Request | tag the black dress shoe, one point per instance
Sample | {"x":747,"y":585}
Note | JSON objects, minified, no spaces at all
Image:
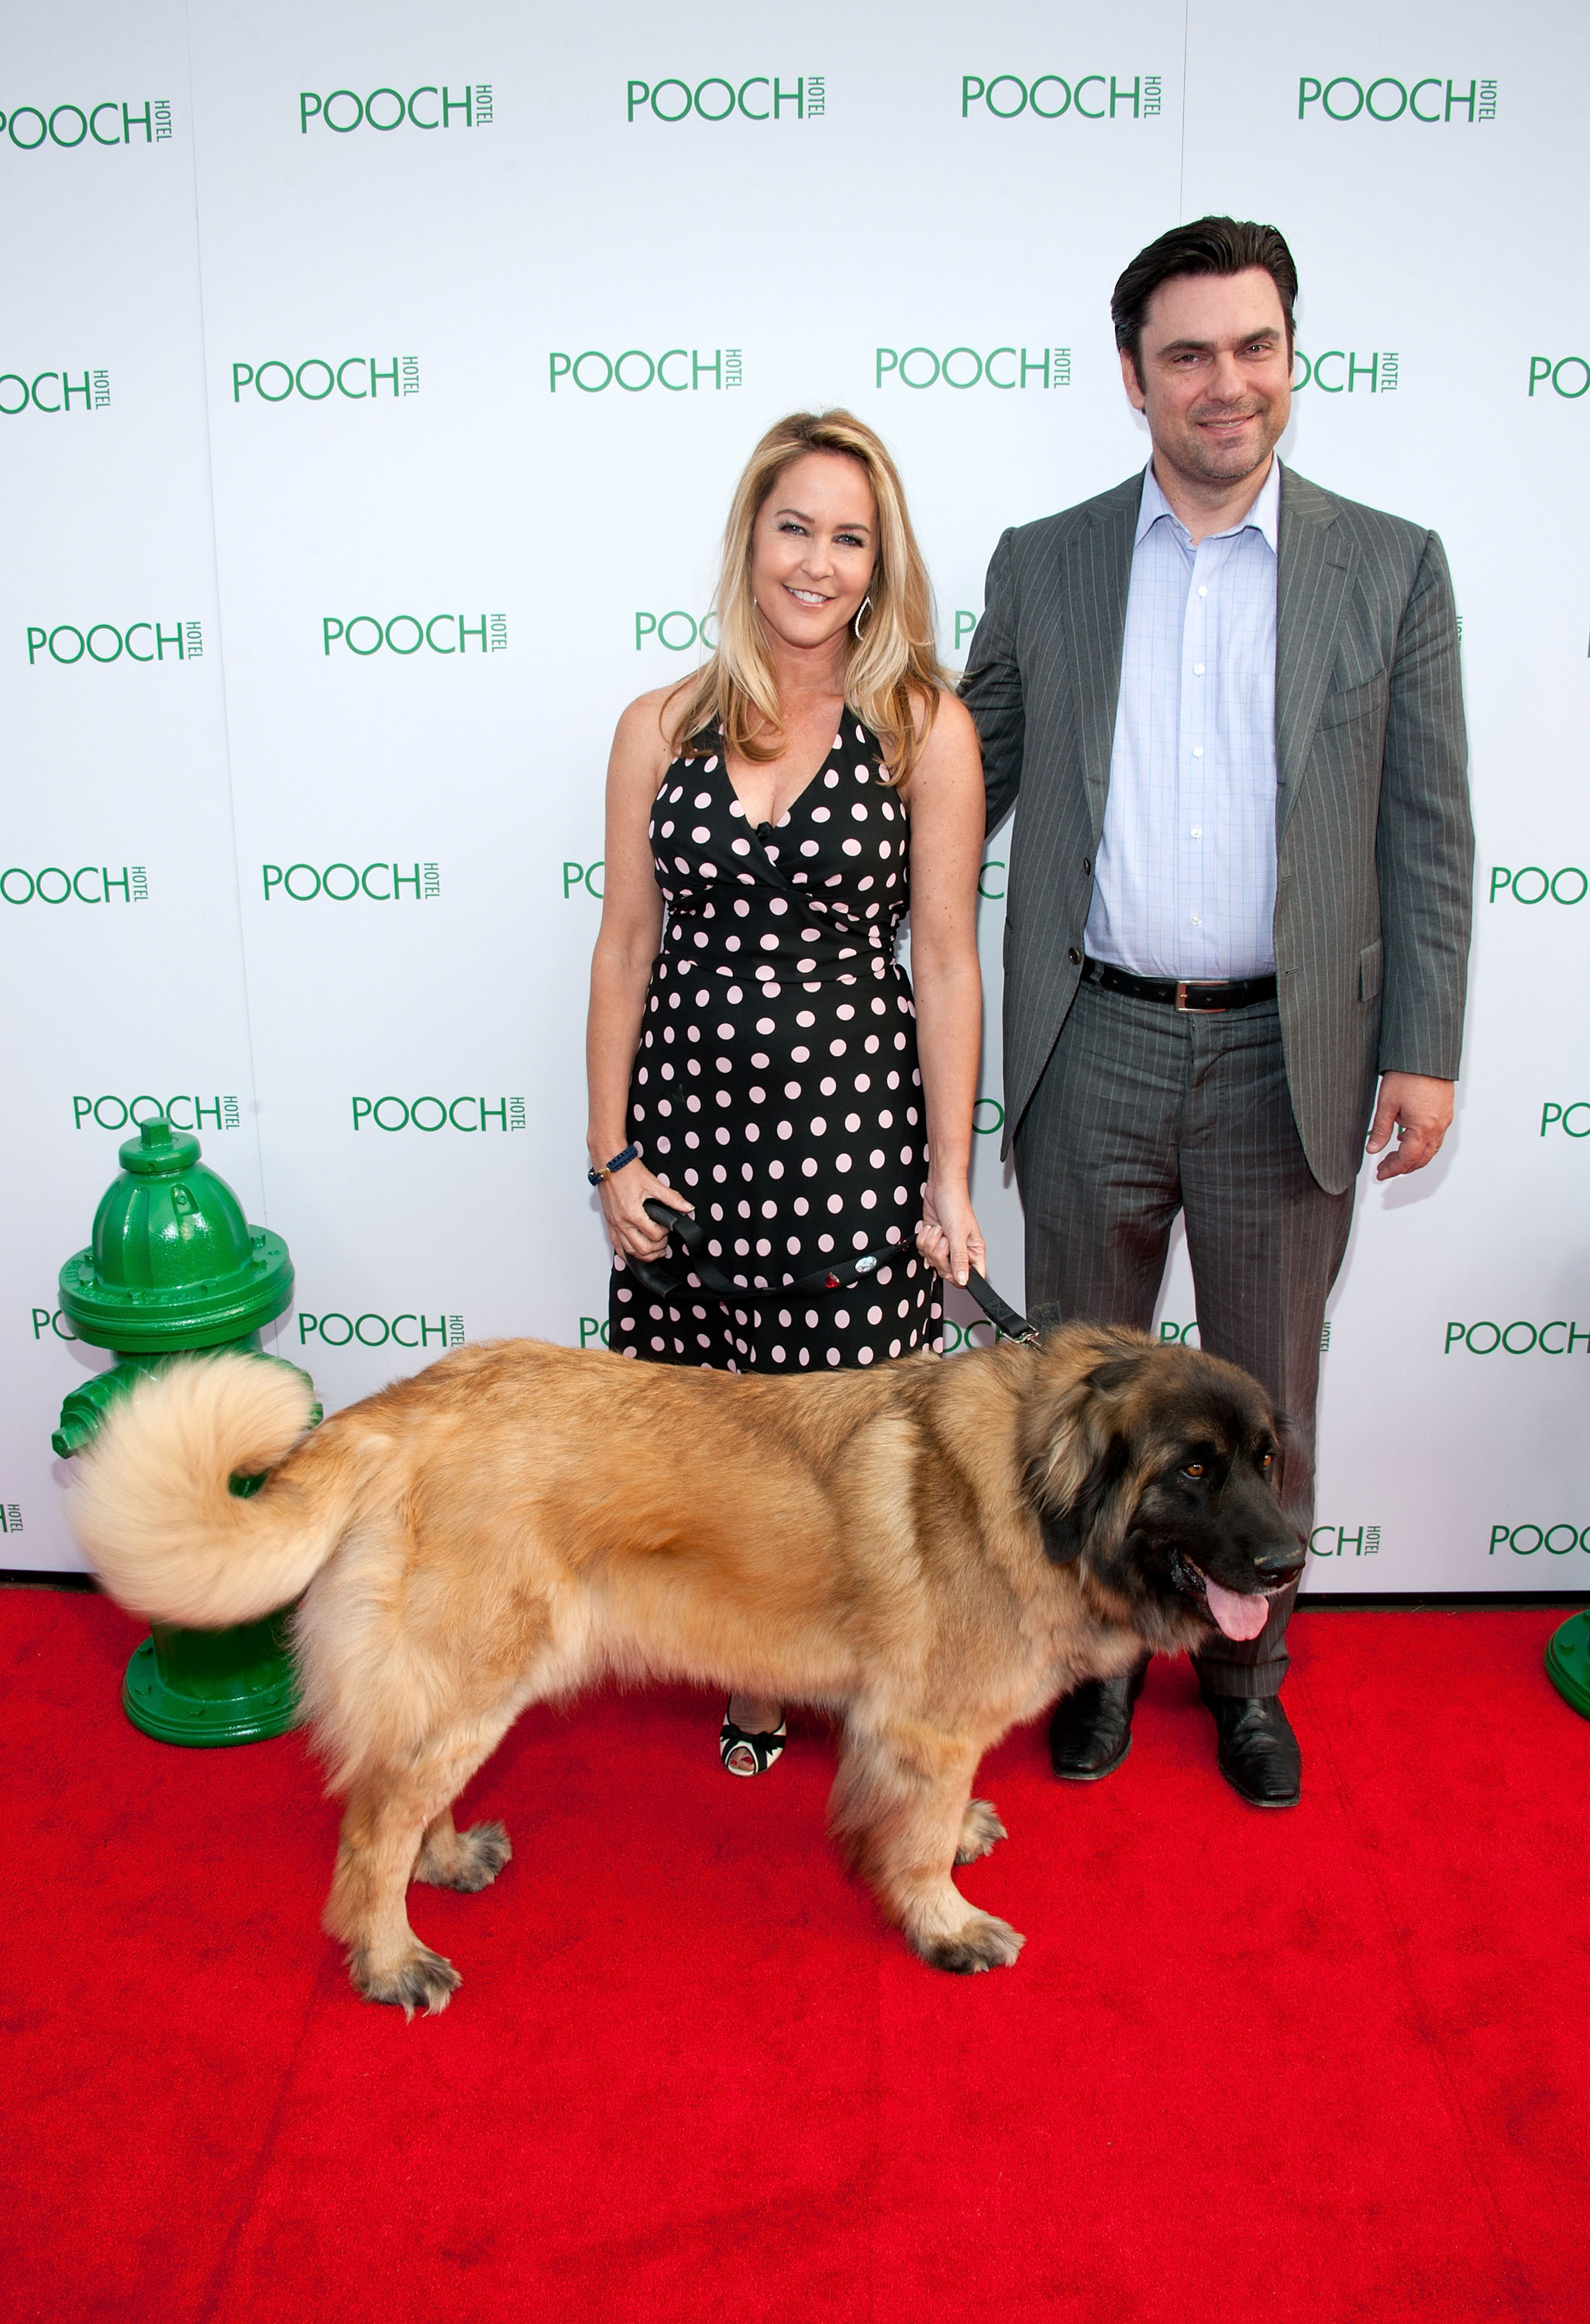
{"x":1258,"y":1752}
{"x":1091,"y":1731}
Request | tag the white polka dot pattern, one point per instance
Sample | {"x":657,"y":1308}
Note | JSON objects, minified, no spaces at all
{"x":776,"y":1065}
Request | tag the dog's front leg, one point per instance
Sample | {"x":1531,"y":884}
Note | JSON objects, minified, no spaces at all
{"x":899,"y":1811}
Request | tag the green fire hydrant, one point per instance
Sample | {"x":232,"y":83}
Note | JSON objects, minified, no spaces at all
{"x":174,"y":1268}
{"x":1568,"y":1662}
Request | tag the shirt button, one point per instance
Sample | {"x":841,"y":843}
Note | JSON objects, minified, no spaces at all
{"x":1198,"y":669}
{"x":1197,"y":750}
{"x":1198,"y":919}
{"x":1198,"y":831}
{"x":1203,"y":592}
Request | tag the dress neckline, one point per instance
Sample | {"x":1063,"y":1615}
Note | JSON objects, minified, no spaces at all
{"x":821,"y":769}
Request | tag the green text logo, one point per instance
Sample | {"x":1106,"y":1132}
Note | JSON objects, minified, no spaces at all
{"x":683,"y":371}
{"x":112,"y":122}
{"x":963,"y":368}
{"x":410,"y":1329}
{"x":592,"y":1332}
{"x":52,"y":1320}
{"x":1375,"y":373}
{"x":1185,"y":1335}
{"x":405,"y":633}
{"x":1529,"y":884}
{"x":359,"y":378}
{"x":103,"y":641}
{"x":678,"y":631}
{"x":1569,"y":375}
{"x":182,"y":1111}
{"x":1561,"y":1117}
{"x":763,"y":97}
{"x":466,"y":1113}
{"x":90,"y":883}
{"x":1093,"y":96}
{"x":431,"y":105}
{"x":1336,"y":1541}
{"x":1524,"y":1540}
{"x":1429,"y":100}
{"x":10,"y":1516}
{"x":1518,"y":1339}
{"x":582,"y":876}
{"x":53,"y":392}
{"x":341,"y":883}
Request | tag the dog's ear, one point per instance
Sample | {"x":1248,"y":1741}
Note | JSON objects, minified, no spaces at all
{"x":1067,"y":1516}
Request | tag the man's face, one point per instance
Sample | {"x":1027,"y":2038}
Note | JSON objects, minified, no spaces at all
{"x":1215,"y":384}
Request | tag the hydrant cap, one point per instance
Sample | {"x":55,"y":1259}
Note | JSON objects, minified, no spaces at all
{"x":173,"y":1262}
{"x":160,"y":1150}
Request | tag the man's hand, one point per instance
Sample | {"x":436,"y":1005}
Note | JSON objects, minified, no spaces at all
{"x":1419,"y":1107}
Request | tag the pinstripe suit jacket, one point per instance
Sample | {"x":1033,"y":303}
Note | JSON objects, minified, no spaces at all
{"x":1374,"y":844}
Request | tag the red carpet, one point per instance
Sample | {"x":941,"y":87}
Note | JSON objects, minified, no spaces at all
{"x":1327,"y":2065}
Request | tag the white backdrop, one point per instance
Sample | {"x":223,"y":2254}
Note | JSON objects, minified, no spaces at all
{"x":310,"y":337}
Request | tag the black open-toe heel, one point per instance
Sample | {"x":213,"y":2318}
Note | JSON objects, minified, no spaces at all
{"x":749,"y":1754}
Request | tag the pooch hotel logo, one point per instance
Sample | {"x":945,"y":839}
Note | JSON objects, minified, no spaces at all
{"x":434,"y":105}
{"x":113,"y":121}
{"x":763,"y":97}
{"x":1009,"y":367}
{"x":71,"y":643}
{"x":1051,"y":97}
{"x":53,"y":392}
{"x":1433,"y":98}
{"x":352,"y":379}
{"x":683,"y":371}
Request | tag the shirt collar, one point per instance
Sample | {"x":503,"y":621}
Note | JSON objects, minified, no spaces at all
{"x":1264,"y":516}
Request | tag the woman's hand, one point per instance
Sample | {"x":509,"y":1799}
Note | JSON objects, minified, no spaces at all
{"x":948,"y":1236}
{"x":630,"y":1232}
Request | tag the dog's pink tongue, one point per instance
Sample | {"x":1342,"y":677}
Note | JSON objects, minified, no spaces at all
{"x":1239,"y":1617}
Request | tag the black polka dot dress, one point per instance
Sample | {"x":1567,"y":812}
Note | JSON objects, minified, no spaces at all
{"x":776,"y":1082}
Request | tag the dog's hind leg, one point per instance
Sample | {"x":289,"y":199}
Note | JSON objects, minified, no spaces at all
{"x":390,"y":1813}
{"x":981,"y":1829}
{"x":899,"y":1811}
{"x":472,"y":1859}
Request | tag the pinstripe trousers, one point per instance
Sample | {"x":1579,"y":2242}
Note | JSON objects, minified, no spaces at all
{"x":1143,"y":1111}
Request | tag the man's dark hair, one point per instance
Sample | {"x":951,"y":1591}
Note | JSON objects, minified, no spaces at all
{"x":1209,"y":246}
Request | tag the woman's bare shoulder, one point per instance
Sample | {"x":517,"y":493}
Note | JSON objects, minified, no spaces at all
{"x":648,"y":720}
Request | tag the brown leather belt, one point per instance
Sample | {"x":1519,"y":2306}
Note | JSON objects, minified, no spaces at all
{"x":1211,"y":999}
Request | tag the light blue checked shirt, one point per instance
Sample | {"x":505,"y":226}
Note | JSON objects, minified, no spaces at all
{"x":1184,"y":884}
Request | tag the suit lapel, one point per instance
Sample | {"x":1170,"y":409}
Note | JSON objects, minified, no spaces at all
{"x":1094,"y":588}
{"x":1315,"y":574}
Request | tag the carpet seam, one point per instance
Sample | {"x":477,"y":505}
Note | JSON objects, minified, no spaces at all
{"x":1526,"y":2301}
{"x":227,"y":2259}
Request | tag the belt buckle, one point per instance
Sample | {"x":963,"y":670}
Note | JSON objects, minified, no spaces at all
{"x":1198,"y":1008}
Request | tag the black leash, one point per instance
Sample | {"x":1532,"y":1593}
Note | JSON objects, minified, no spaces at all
{"x":670,"y":1274}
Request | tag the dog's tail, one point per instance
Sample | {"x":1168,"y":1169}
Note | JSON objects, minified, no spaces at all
{"x":152,"y":1509}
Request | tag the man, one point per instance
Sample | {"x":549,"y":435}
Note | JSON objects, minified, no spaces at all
{"x":1228,"y":703}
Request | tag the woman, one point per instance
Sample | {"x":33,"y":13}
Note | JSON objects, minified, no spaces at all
{"x":752,"y":1051}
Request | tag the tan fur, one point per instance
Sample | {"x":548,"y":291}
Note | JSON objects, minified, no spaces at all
{"x":520,"y":1519}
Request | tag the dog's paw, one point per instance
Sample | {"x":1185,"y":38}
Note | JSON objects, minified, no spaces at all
{"x":421,"y":1979}
{"x":470,"y":1860}
{"x":981,"y":1829}
{"x":980,"y":1942}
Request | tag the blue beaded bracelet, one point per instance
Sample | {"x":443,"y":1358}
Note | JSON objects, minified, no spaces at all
{"x":630,"y":1154}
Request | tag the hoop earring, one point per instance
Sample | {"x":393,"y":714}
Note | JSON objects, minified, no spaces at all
{"x":860,"y":609}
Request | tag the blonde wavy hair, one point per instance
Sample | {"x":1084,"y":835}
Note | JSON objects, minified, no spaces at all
{"x":893,"y":674}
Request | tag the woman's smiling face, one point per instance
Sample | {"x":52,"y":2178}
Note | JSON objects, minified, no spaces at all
{"x":813,"y":548}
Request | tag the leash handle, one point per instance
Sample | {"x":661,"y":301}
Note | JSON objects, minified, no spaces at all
{"x":1003,"y":1318}
{"x":664,"y":1277}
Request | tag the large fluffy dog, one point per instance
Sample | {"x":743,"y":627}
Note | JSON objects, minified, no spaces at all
{"x":931,"y":1551}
